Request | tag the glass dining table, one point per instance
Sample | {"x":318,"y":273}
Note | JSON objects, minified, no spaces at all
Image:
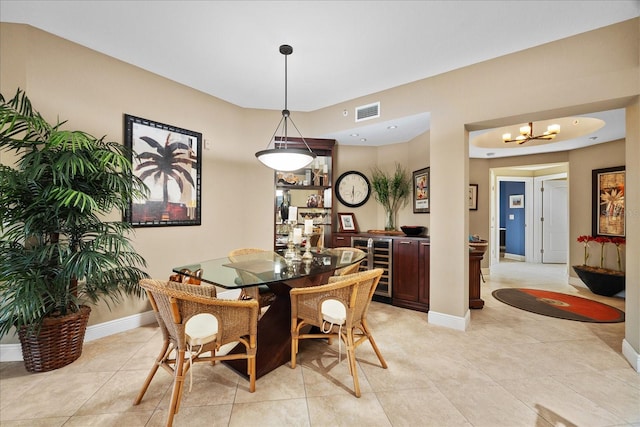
{"x":280,"y":273}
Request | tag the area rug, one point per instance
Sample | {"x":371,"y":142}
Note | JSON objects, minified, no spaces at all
{"x":559,"y":305}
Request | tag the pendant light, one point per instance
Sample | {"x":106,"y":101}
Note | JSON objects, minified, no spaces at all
{"x":281,"y":157}
{"x":527,"y":134}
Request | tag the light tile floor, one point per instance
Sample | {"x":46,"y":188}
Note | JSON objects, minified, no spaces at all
{"x":510,"y":368}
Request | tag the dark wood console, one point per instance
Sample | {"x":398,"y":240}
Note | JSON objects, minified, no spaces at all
{"x":408,"y":269}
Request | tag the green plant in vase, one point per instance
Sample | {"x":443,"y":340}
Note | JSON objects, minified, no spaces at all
{"x":391,"y":191}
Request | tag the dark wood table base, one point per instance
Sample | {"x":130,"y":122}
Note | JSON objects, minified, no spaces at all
{"x":274,"y":329}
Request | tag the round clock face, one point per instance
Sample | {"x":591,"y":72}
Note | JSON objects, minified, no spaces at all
{"x":353,"y":189}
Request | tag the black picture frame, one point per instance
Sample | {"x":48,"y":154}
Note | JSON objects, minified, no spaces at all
{"x":175,"y":193}
{"x":608,"y":202}
{"x":473,"y":197}
{"x":422,"y":191}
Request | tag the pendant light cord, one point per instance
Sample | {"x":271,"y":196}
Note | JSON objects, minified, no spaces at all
{"x":285,"y":82}
{"x":286,"y":50}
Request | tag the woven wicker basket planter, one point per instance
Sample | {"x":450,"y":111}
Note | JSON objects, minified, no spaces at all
{"x":58,"y":344}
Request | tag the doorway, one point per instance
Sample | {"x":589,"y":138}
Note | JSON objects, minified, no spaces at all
{"x":513,"y":215}
{"x":541,"y":210}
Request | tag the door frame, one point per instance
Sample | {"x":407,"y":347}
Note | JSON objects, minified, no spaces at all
{"x":528,"y":217}
{"x":537,"y":213}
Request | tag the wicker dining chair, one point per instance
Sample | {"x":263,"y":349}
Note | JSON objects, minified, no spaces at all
{"x":353,"y":268}
{"x":261,"y":293}
{"x":193,"y":322}
{"x":339,"y":309}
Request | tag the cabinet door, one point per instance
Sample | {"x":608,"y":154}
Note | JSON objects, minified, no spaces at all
{"x":423,"y":275}
{"x":405,"y":269}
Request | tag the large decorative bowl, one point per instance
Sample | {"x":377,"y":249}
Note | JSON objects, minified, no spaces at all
{"x":413,"y":230}
{"x":478,"y":247}
{"x":601,"y":281}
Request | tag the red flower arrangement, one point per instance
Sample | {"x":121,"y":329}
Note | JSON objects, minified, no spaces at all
{"x":602,"y":240}
{"x":618,"y":241}
{"x":585,"y":241}
{"x":601,"y":280}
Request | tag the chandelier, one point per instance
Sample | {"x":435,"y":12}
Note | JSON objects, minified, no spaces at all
{"x":526,"y":134}
{"x":281,"y":157}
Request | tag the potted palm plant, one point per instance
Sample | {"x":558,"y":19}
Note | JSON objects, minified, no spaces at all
{"x":391,"y":191}
{"x":57,"y":250}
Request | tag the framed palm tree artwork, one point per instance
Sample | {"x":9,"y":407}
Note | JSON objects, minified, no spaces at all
{"x":168,"y":160}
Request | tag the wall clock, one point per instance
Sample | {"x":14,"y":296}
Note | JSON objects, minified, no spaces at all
{"x":353,"y":189}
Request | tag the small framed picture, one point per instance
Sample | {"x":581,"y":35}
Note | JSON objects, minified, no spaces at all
{"x":347,"y":223}
{"x":516,"y":201}
{"x":473,"y":197}
{"x":421,"y":191}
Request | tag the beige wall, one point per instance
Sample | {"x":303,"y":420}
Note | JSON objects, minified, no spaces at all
{"x":412,"y":155}
{"x":589,"y":72}
{"x":581,"y":163}
{"x":632,"y":204}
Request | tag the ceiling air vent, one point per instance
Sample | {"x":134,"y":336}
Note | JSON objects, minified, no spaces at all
{"x":366,"y":112}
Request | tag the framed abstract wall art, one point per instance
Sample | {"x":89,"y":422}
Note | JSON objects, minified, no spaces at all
{"x":608,"y":202}
{"x":168,"y":160}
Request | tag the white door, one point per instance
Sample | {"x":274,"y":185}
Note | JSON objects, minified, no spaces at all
{"x":554,"y":223}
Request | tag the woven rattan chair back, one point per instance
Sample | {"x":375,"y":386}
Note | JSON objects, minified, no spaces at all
{"x":354,"y":292}
{"x":260,"y":293}
{"x":174,"y":304}
{"x":205,"y":290}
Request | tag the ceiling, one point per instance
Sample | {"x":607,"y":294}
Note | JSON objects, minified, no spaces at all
{"x":341,"y":49}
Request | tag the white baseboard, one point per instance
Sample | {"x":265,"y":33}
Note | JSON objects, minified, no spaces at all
{"x":632,"y":356}
{"x":10,"y":353}
{"x":515,"y":257}
{"x":13,"y":352}
{"x":449,"y":321}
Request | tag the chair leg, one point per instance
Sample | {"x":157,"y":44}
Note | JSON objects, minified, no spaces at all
{"x":178,"y":382}
{"x":351,"y":355}
{"x":367,"y":332}
{"x":294,"y":351}
{"x":251,"y":362}
{"x":159,"y":360}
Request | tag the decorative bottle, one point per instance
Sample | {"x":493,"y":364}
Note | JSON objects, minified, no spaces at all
{"x":284,"y":207}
